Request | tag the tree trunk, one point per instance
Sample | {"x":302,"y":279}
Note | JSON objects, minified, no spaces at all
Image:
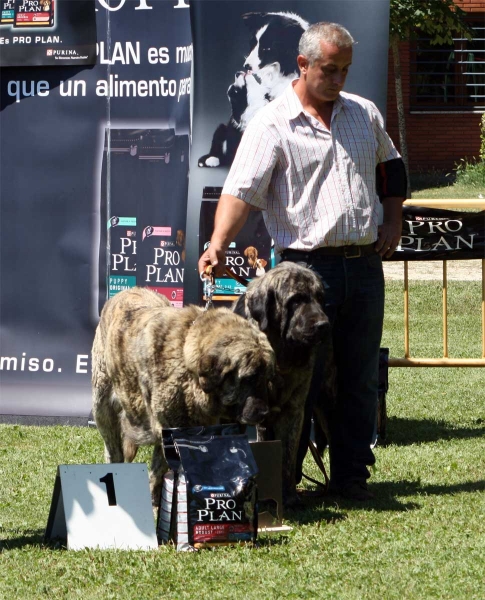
{"x":401,"y":118}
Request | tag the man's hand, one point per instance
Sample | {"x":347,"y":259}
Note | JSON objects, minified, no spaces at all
{"x":390,"y":231}
{"x":215,"y":258}
{"x":388,"y":238}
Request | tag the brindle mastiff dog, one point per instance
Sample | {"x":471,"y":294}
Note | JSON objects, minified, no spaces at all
{"x":155,"y":366}
{"x":286,"y":303}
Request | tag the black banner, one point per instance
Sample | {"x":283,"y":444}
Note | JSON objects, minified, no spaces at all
{"x":86,"y":150}
{"x":436,"y":234}
{"x":47,"y":32}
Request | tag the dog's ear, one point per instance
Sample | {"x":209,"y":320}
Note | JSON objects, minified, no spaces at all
{"x":261,"y":307}
{"x":255,"y":20}
{"x":208,"y":372}
{"x":240,"y":307}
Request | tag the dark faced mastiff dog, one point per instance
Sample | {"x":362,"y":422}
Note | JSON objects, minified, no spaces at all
{"x":155,"y":366}
{"x":287,"y":305}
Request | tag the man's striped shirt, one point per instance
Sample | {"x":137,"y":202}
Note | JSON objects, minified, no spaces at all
{"x":317,"y":187}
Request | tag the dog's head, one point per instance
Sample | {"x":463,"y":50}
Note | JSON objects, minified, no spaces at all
{"x":274,"y":41}
{"x":238,"y":96}
{"x":287,"y":303}
{"x":180,"y":239}
{"x":247,"y":96}
{"x":252,"y":255}
{"x":233,"y":363}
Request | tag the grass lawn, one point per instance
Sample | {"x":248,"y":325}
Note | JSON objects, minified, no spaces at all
{"x":423,"y":537}
{"x":440,"y":185}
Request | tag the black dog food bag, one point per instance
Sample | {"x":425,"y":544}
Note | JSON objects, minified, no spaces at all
{"x":162,"y":216}
{"x":212,"y":498}
{"x":174,"y":479}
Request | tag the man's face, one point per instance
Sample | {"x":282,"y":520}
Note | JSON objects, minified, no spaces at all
{"x":325,"y":79}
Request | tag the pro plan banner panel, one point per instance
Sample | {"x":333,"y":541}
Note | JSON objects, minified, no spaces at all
{"x":144,"y":183}
{"x":435,"y":234}
{"x":245,"y":55}
{"x":161,"y":224}
{"x":47,"y":32}
{"x":78,"y":147}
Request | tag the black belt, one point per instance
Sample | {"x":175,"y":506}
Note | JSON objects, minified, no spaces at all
{"x":345,"y":251}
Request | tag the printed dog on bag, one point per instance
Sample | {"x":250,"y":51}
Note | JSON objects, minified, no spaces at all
{"x":154,"y":366}
{"x":254,"y":261}
{"x":287,"y":305}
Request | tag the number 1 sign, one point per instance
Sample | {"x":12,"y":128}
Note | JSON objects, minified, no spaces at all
{"x":102,"y":506}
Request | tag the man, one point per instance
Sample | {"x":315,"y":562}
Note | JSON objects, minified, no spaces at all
{"x":310,"y":160}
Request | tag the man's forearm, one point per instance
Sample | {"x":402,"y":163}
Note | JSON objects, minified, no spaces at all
{"x":231,"y":214}
{"x":391,"y":228}
{"x":392,"y":207}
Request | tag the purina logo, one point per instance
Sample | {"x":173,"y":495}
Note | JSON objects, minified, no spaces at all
{"x":50,"y":52}
{"x":64,"y":53}
{"x":420,"y":218}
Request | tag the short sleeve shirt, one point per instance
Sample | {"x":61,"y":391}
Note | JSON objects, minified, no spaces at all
{"x":317,"y":187}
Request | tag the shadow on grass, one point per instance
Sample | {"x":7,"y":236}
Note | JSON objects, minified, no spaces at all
{"x":404,"y":432}
{"x":389,"y":491}
{"x":328,"y":509}
{"x":333,"y":508}
{"x":387,"y":499}
{"x":30,"y":537}
{"x":315,"y":510}
{"x":431,"y":179}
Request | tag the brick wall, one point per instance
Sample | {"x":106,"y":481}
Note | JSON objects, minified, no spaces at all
{"x":435,"y":141}
{"x":471,"y":5}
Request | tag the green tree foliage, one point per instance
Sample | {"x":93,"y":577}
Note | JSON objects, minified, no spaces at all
{"x":440,"y":20}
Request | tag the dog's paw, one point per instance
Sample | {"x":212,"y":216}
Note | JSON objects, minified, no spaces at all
{"x":209,"y":161}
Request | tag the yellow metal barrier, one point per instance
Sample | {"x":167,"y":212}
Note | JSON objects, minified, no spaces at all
{"x":445,"y":361}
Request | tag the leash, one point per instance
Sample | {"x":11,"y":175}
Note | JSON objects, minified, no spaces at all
{"x":207,"y":278}
{"x":322,"y":488}
{"x":209,"y":289}
{"x":210,"y":286}
{"x":241,"y":280}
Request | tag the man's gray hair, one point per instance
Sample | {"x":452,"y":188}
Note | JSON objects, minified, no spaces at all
{"x":332,"y":33}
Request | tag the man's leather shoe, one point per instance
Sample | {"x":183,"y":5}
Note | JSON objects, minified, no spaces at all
{"x":352,"y":490}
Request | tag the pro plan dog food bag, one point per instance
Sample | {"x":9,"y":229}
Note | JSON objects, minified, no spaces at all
{"x":211,"y":499}
{"x":162,"y":216}
{"x":34,"y":13}
{"x":250,"y":255}
{"x":8,"y":11}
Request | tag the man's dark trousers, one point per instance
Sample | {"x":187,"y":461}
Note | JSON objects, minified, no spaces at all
{"x":354,"y":304}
